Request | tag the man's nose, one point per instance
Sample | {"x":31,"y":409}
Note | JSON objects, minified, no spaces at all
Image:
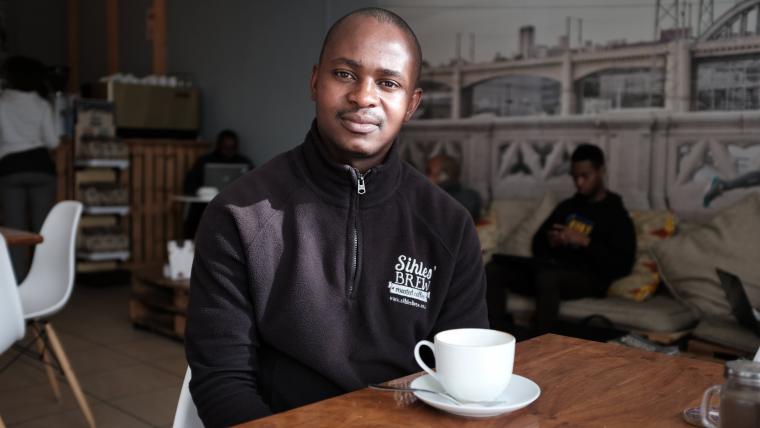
{"x":364,"y":94}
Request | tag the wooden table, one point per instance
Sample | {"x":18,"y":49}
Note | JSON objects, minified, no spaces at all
{"x":583,"y":384}
{"x":20,"y":237}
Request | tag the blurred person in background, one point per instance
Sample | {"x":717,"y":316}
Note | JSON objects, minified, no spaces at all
{"x":225,"y":151}
{"x":27,"y":136}
{"x":444,"y":171}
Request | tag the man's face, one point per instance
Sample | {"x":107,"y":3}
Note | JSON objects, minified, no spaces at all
{"x":228,"y":148}
{"x":364,"y":89}
{"x":588,"y":180}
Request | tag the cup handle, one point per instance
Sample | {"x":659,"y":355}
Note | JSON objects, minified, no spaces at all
{"x":422,"y":363}
{"x":704,"y":409}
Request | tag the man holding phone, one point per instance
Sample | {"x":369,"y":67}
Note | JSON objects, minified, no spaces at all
{"x":586,"y":243}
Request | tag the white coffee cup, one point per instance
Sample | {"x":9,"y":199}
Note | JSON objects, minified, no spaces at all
{"x":472,"y":364}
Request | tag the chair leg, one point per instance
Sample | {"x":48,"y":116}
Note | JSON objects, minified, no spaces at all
{"x":46,"y":358}
{"x":69,"y":373}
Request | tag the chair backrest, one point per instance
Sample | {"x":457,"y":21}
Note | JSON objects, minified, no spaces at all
{"x":186,"y":415}
{"x":48,"y":285}
{"x":11,"y":315}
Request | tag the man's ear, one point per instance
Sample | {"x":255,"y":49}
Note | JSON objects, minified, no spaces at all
{"x":413,"y":104}
{"x":313,"y":82}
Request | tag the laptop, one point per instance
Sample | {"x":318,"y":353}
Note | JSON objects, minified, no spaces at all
{"x":219,"y":175}
{"x":741,"y":305}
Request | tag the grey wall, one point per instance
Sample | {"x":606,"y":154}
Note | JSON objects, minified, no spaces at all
{"x":37,"y":28}
{"x":252,"y":61}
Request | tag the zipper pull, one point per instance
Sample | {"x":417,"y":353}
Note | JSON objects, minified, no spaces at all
{"x":360,"y":188}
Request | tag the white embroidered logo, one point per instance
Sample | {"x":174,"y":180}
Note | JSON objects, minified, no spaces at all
{"x":411,"y":285}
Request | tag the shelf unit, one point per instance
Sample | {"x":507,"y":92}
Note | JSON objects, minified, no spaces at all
{"x":100,"y":180}
{"x":102,"y":163}
{"x":120,"y":210}
{"x":101,"y":256}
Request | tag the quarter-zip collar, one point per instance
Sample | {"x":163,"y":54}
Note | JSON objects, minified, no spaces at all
{"x":339,"y":183}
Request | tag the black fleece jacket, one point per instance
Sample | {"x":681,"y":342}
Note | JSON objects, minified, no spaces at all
{"x":302,"y":288}
{"x":612,"y":248}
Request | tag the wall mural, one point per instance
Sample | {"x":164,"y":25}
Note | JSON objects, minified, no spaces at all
{"x":677,"y":116}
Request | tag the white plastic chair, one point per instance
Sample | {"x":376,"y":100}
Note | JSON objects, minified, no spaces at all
{"x":12,"y":326}
{"x":47,"y":289}
{"x":50,"y":281}
{"x":187,"y":414}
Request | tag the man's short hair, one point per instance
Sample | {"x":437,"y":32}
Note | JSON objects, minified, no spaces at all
{"x":387,"y":17}
{"x":227,"y":133}
{"x":588,"y":152}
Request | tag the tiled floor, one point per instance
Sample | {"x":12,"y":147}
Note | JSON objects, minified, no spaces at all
{"x":131,"y":377}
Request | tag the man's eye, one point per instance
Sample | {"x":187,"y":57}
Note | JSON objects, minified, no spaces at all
{"x":389,"y":84}
{"x":343,"y":74}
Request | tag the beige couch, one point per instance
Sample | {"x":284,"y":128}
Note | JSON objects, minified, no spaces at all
{"x":679,"y":258}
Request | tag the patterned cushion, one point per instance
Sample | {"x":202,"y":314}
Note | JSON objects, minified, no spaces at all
{"x":651,"y":227}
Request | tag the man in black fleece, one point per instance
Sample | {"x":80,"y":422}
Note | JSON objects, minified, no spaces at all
{"x":587,"y":242}
{"x":318,"y":272}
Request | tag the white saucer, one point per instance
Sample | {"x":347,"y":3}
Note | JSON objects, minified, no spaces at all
{"x":520,"y":393}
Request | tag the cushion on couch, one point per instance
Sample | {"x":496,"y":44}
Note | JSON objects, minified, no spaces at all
{"x":518,"y":241}
{"x":661,"y":313}
{"x":488,"y":234}
{"x":727,"y":333}
{"x":651,"y":227}
{"x":499,"y":222}
{"x":730,"y":241}
{"x":509,"y":213}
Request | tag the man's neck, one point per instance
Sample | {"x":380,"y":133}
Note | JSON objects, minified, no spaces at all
{"x":365,"y":164}
{"x":599,"y":196}
{"x":361,"y":164}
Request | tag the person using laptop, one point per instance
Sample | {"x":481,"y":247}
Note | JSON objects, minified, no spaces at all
{"x":225,"y":152}
{"x":317,"y":273}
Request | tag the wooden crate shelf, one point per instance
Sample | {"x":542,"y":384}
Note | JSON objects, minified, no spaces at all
{"x":158,"y":303}
{"x":155,"y":173}
{"x":158,"y":170}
